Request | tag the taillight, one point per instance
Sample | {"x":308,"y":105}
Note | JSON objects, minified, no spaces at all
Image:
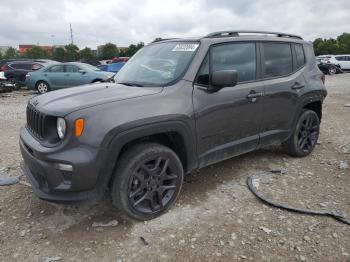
{"x":4,"y":67}
{"x":323,"y":78}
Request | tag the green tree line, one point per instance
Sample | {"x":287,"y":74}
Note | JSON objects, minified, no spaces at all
{"x":339,"y":45}
{"x":71,"y":53}
{"x":331,"y":46}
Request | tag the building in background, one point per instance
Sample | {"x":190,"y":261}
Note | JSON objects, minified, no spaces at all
{"x":3,"y":49}
{"x":99,"y":50}
{"x":22,"y":49}
{"x":58,"y":46}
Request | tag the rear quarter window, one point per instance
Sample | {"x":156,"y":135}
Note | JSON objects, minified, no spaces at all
{"x":300,"y":56}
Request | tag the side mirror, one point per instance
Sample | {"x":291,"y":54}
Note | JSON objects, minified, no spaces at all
{"x":82,"y":71}
{"x":223,"y":78}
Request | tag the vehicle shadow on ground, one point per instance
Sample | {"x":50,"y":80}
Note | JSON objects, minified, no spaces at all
{"x":80,"y":216}
{"x":231,"y":170}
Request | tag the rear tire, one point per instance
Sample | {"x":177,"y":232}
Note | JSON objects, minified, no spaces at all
{"x":147,"y":181}
{"x":305,"y":135}
{"x":42,"y":87}
{"x":332,"y":70}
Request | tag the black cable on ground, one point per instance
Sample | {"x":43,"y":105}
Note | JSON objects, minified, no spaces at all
{"x":330,"y":213}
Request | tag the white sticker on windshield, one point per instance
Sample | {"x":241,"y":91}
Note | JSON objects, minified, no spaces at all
{"x":185,"y":47}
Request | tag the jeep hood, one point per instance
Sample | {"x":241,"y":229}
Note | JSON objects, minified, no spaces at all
{"x":65,"y":101}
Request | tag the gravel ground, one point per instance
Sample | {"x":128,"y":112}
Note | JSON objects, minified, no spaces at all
{"x":216,"y":218}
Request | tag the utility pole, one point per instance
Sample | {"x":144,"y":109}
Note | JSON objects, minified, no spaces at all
{"x":53,"y":40}
{"x":71,"y":34}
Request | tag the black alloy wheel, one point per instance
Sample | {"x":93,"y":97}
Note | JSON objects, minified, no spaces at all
{"x":308,"y":133}
{"x":147,"y":181}
{"x":152,"y":185}
{"x":305,"y":135}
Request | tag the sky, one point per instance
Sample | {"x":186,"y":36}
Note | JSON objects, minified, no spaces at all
{"x":123,"y":22}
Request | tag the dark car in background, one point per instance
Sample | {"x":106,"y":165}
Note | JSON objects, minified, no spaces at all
{"x":5,"y":61}
{"x":16,"y":71}
{"x":327,"y":67}
{"x":330,"y":69}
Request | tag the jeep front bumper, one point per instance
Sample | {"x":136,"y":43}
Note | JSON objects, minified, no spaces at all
{"x":49,"y":181}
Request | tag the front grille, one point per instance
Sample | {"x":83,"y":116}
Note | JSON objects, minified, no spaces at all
{"x":35,"y":122}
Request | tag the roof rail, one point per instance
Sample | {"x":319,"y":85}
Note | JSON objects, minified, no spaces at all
{"x":163,"y":39}
{"x":239,"y":32}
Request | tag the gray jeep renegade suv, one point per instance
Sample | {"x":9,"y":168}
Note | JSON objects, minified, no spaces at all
{"x":176,"y":106}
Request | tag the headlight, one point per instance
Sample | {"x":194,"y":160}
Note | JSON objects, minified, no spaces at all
{"x":61,"y":127}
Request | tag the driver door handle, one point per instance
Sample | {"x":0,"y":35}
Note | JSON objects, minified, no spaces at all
{"x":297,"y":86}
{"x":253,"y":94}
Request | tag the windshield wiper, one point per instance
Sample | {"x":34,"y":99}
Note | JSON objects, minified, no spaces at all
{"x":129,"y":84}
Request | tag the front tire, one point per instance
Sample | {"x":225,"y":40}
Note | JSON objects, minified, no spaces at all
{"x":42,"y":87}
{"x":305,"y":135}
{"x":147,"y":181}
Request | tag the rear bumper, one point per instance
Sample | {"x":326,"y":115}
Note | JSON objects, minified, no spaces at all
{"x":52,"y":184}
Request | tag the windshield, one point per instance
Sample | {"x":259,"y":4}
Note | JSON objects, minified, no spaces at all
{"x":158,"y":64}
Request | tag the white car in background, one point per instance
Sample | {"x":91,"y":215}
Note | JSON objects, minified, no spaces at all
{"x":324,"y":58}
{"x":342,"y":60}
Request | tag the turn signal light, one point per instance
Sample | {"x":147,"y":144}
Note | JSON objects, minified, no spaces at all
{"x":79,"y":127}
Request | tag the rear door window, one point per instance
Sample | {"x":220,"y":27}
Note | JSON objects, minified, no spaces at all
{"x":26,"y":66}
{"x":56,"y":69}
{"x":278,"y":59}
{"x":21,"y":66}
{"x":15,"y":65}
{"x":72,"y":69}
